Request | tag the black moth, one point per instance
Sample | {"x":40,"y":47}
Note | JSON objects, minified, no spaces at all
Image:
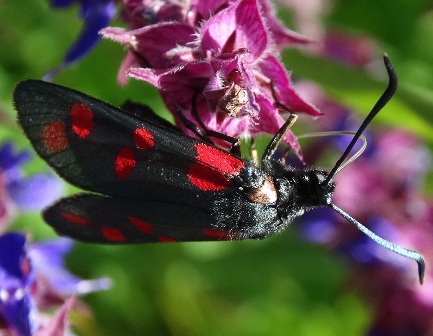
{"x":148,"y":182}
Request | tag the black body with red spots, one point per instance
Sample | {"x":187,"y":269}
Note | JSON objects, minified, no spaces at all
{"x":148,"y":182}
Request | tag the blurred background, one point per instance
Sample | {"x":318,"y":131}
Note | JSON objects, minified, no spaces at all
{"x":281,"y":285}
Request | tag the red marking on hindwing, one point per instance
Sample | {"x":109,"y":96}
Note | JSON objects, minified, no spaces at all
{"x":165,"y":239}
{"x":112,"y":234}
{"x":143,"y":139}
{"x":74,"y":218}
{"x":218,"y":234}
{"x":54,"y":138}
{"x":125,"y":163}
{"x":81,"y":119}
{"x":213,"y":169}
{"x":141,"y":225}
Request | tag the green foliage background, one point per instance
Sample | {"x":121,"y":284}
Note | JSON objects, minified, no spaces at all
{"x":279,"y":286}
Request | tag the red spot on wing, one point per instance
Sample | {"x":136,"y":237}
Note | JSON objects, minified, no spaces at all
{"x":54,"y":138}
{"x":218,"y":234}
{"x":141,"y":225}
{"x":165,"y":239}
{"x":218,"y":159}
{"x":74,"y":218}
{"x":81,"y":119}
{"x":213,"y":168}
{"x":112,"y":234}
{"x":207,"y":179}
{"x":143,"y":139}
{"x":125,"y":163}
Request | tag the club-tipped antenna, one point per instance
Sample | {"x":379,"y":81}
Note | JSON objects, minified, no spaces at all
{"x":382,"y":101}
{"x":334,"y":133}
{"x":385,"y":243}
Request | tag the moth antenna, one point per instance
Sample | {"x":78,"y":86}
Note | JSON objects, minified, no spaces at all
{"x":382,"y":101}
{"x":385,"y":243}
{"x":333,"y":133}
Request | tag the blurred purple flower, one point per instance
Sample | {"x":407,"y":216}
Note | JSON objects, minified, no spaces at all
{"x":224,"y":53}
{"x":390,"y":177}
{"x":17,"y":191}
{"x":47,"y":260}
{"x":96,"y":15}
{"x":355,"y":50}
{"x":33,"y":278}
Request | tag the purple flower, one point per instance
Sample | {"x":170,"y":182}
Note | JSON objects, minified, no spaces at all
{"x":217,"y":57}
{"x":355,"y":50}
{"x":47,"y":260}
{"x":16,"y":305}
{"x":96,"y":15}
{"x":33,"y":278}
{"x":18,"y":191}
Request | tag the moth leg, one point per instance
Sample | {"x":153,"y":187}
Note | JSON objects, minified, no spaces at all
{"x":253,"y":151}
{"x":276,"y":140}
{"x":192,"y":127}
{"x":286,"y":152}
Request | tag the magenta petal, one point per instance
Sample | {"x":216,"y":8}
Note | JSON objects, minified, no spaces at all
{"x":120,"y":35}
{"x":237,"y":127}
{"x":153,"y":43}
{"x":281,"y":35}
{"x":271,"y":122}
{"x":218,"y":30}
{"x":251,"y":32}
{"x":214,"y":90}
{"x":146,"y":74}
{"x":275,"y":72}
{"x":176,"y":84}
{"x":204,"y":9}
{"x":230,"y":88}
{"x":238,"y":26}
{"x":128,"y":62}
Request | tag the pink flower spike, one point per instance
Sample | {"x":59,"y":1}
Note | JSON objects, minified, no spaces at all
{"x":127,"y":63}
{"x":223,"y":53}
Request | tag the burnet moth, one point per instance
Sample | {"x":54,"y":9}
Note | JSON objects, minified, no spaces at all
{"x":149,"y":182}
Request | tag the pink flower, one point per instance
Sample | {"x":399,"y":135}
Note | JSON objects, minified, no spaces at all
{"x":217,"y":57}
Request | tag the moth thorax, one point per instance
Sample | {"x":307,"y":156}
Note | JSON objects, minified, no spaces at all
{"x":320,"y":193}
{"x":265,"y":194}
